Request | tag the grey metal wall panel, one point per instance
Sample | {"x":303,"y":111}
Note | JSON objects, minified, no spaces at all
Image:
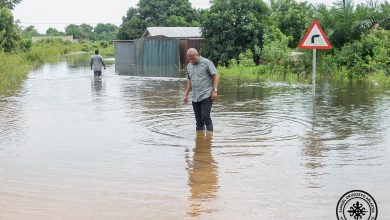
{"x":157,"y":57}
{"x":124,"y":57}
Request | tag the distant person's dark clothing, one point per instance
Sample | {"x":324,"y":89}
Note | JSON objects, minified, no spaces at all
{"x":97,"y":64}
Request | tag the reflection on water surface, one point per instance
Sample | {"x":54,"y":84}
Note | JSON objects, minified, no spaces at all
{"x":73,"y":147}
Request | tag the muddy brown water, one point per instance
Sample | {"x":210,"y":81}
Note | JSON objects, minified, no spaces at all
{"x":125,"y":148}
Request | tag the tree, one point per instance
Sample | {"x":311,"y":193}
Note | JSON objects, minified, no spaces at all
{"x":370,"y":15}
{"x":54,"y":32}
{"x":337,"y":22}
{"x":9,"y":34}
{"x":73,"y":30}
{"x":290,"y":17}
{"x":385,"y":10}
{"x":86,"y":31}
{"x":233,"y":26}
{"x":30,"y":31}
{"x":156,"y":13}
{"x":344,"y":23}
{"x":368,"y":55}
{"x":180,"y":21}
{"x":10,"y":4}
{"x":132,"y":26}
{"x":82,"y":32}
{"x":276,"y":52}
{"x":105,"y":32}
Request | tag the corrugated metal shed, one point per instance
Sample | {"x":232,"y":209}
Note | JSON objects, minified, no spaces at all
{"x":174,"y":32}
{"x":188,"y":37}
{"x":161,"y":52}
{"x":148,"y":57}
{"x":185,"y":44}
{"x":157,"y":57}
{"x":124,"y":57}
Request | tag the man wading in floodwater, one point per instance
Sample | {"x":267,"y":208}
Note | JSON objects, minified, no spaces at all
{"x":202,"y":81}
{"x":97,"y":63}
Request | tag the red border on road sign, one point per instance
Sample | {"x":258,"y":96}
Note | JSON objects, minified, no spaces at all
{"x":315,"y":22}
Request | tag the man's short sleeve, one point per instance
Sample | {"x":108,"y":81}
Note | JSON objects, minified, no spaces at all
{"x":211,"y":67}
{"x":188,"y":73}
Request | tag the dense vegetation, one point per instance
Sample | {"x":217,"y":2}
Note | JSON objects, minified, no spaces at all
{"x":240,"y":26}
{"x":269,"y":34}
{"x":101,"y":32}
{"x":18,"y":54}
{"x":14,"y":65}
{"x":245,"y":38}
{"x":149,"y":13}
{"x":10,"y":4}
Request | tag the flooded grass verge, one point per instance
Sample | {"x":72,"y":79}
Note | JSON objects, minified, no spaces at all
{"x":15,"y":66}
{"x":13,"y":69}
{"x":263,"y":73}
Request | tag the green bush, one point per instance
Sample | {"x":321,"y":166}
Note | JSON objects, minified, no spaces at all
{"x":275,"y":51}
{"x":246,"y":59}
{"x":366,"y":56}
{"x":9,"y":34}
{"x":279,"y":56}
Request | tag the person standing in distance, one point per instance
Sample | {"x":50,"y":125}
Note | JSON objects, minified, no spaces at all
{"x":97,"y":63}
{"x":202,"y":82}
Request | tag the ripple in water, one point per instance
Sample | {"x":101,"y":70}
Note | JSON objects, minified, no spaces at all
{"x":232,"y":129}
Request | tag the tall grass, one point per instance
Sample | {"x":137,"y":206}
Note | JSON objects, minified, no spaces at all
{"x":14,"y":66}
{"x":261,"y":73}
{"x":49,"y":51}
{"x":13,"y":69}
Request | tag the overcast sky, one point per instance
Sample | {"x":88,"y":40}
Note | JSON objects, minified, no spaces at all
{"x":59,"y":13}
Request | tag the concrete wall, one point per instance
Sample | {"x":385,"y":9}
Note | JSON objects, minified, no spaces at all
{"x":65,"y":38}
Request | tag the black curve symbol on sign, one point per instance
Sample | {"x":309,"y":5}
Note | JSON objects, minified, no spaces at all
{"x":314,"y":37}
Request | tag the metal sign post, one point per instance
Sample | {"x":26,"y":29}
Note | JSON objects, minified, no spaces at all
{"x":313,"y":86}
{"x":314,"y":67}
{"x":314,"y":38}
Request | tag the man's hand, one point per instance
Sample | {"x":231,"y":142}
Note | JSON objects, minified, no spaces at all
{"x":214,"y":95}
{"x":185,"y":100}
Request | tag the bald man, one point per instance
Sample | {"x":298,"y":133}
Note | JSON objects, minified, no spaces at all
{"x":202,"y":82}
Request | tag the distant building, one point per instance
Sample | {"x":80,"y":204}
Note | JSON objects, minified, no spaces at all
{"x":189,"y":37}
{"x":64,"y":38}
{"x":160,"y":51}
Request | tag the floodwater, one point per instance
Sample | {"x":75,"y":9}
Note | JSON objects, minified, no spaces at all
{"x":74,"y":148}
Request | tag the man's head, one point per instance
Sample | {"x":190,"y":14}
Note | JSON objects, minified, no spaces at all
{"x":96,"y":51}
{"x":192,"y":56}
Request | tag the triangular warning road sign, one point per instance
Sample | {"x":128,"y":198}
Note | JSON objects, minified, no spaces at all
{"x":315,"y":38}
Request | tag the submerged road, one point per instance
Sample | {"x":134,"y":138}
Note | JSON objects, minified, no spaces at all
{"x":125,"y":148}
